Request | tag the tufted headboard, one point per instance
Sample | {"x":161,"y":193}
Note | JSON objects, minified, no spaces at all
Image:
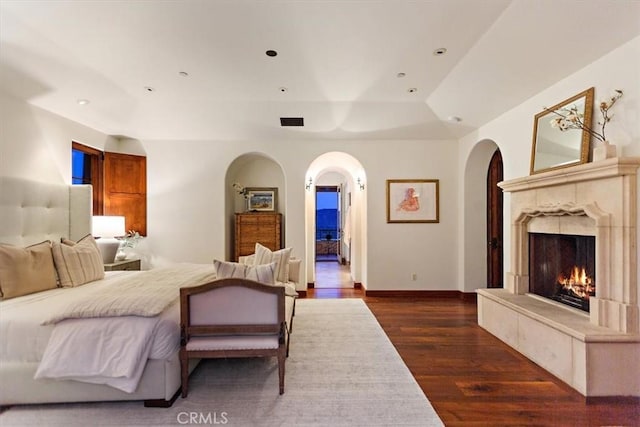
{"x":31,"y":212}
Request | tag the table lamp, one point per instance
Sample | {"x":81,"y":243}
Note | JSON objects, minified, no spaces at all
{"x":105,"y":229}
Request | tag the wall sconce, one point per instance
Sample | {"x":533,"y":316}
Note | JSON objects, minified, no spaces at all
{"x":360,"y":184}
{"x":309,"y":184}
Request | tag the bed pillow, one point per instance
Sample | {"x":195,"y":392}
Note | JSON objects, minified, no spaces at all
{"x":78,"y":262}
{"x":27,"y":270}
{"x":261,"y":273}
{"x":281,"y":257}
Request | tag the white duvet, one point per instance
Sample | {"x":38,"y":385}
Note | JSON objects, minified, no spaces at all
{"x":109,"y":350}
{"x":112,"y":352}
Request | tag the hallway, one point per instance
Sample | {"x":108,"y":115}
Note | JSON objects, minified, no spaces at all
{"x":333,"y":280}
{"x":332,"y":275}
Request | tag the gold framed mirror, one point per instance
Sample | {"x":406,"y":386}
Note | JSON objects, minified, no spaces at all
{"x":557,"y":147}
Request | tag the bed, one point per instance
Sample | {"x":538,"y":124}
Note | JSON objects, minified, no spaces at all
{"x":32,"y":212}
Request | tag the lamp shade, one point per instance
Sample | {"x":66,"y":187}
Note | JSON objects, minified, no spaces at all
{"x":107,"y":226}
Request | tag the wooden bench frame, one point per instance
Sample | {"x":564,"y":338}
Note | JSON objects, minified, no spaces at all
{"x":240,"y":303}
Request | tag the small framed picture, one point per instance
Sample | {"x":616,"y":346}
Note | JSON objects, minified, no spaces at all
{"x":262,"y":199}
{"x":413,"y":200}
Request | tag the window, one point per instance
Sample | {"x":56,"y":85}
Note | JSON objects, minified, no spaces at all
{"x":119,"y":183}
{"x":86,"y":168}
{"x":81,"y":167}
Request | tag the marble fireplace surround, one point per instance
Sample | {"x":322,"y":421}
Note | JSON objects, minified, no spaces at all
{"x":597,"y":353}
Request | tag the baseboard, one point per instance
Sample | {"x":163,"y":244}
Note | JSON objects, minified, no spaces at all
{"x":357,"y":285}
{"x":592,"y":400}
{"x":465,"y":296}
{"x":311,"y":285}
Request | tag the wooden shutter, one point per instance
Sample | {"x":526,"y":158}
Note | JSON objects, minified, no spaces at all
{"x":125,"y":189}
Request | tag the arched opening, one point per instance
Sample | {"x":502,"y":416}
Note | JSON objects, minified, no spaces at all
{"x":252,"y":171}
{"x":343,"y":171}
{"x":477,"y":216}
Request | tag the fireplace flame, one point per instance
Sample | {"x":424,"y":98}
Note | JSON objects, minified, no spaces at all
{"x":578,"y":283}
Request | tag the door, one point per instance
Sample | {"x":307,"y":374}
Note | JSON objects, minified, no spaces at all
{"x":327,"y":223}
{"x":339,"y":222}
{"x":125,"y":189}
{"x":494,"y":222}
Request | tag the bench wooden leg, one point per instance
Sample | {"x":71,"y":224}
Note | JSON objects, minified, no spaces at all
{"x":184,"y":368}
{"x":281,"y":361}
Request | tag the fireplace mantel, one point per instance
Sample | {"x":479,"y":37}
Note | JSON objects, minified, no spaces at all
{"x":617,"y":166}
{"x":596,"y":199}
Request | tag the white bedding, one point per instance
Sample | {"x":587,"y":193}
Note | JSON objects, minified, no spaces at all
{"x":66,"y":350}
{"x":23,"y":337}
{"x":123,"y":346}
{"x":145,"y":294}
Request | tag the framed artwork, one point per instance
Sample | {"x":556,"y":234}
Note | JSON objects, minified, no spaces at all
{"x":262,"y":199}
{"x":413,"y":200}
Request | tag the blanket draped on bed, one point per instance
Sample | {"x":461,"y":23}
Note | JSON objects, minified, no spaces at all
{"x":106,"y":336}
{"x":145,"y":294}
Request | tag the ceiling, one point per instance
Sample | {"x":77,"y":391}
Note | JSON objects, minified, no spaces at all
{"x":337,"y":64}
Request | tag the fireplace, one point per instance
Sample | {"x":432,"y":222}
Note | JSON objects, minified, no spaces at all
{"x":562,"y":268}
{"x":561,"y":222}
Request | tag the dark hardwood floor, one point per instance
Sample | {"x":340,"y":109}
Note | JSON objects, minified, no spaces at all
{"x":472,"y":378}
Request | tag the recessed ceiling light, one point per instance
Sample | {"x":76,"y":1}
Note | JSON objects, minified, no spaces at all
{"x":82,"y":101}
{"x":400,"y":75}
{"x":271,"y":53}
{"x":183,"y":73}
{"x":454,"y":119}
{"x":440,"y":51}
{"x":283,"y":89}
{"x":149,"y":89}
{"x":412,"y":90}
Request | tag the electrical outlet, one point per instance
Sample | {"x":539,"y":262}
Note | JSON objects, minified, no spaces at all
{"x":414,"y":276}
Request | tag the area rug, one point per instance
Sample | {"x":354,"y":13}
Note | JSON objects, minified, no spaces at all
{"x":342,"y":371}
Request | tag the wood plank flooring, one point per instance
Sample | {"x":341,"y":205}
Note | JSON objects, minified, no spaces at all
{"x":473,"y":379}
{"x":330,"y":274}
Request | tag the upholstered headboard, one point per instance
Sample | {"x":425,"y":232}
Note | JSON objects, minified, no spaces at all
{"x":31,"y":212}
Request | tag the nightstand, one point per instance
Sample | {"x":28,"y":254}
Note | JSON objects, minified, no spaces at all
{"x":127,"y":264}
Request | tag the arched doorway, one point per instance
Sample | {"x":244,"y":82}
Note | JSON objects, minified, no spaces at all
{"x":352,"y":178}
{"x":478,"y":215}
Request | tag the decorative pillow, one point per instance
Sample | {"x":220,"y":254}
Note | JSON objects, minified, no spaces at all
{"x":281,"y":257}
{"x":229,"y":269}
{"x":78,"y":262}
{"x":261,"y":273}
{"x":27,"y":270}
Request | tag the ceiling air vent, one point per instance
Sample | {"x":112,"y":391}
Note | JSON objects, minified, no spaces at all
{"x":291,"y":121}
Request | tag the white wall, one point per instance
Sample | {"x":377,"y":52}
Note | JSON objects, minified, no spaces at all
{"x":513,"y":131}
{"x":37,"y":144}
{"x":186,"y":185}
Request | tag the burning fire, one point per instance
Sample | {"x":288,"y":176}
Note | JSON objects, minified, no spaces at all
{"x":578,"y":283}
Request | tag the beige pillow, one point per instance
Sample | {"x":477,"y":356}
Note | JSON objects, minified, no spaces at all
{"x":27,"y":270}
{"x":78,"y":263}
{"x":261,"y":273}
{"x":281,"y":257}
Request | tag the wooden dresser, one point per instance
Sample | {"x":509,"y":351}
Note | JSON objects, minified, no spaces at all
{"x":261,"y":227}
